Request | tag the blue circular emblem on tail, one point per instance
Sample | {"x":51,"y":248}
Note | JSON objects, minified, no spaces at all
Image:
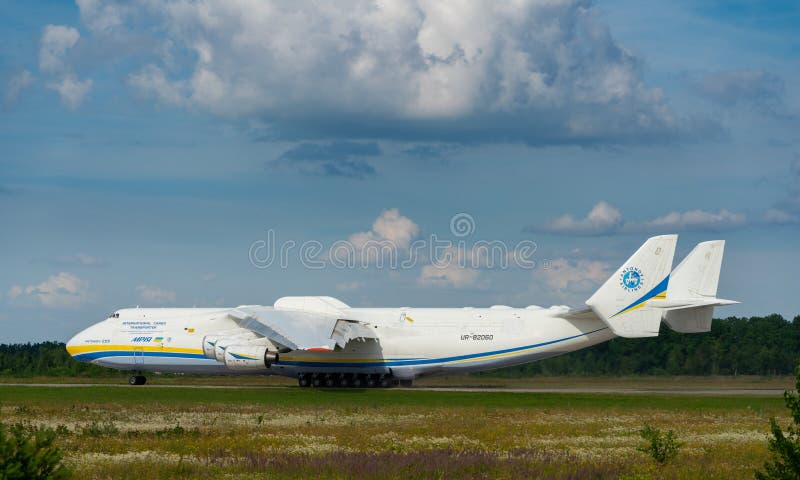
{"x":631,"y":279}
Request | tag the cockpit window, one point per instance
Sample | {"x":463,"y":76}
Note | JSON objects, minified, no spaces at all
{"x":114,"y":315}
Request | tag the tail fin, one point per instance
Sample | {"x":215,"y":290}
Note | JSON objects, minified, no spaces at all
{"x":691,"y":297}
{"x":622,"y":302}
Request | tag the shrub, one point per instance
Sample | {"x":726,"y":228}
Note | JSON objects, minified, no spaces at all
{"x":30,"y":453}
{"x":785,"y":448}
{"x":95,"y":429}
{"x":663,"y":447}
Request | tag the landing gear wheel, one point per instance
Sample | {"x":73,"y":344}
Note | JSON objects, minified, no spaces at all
{"x":137,"y":380}
{"x":303,"y":380}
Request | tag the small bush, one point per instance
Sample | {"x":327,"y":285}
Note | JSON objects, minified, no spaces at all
{"x":662,"y":447}
{"x":30,"y":453}
{"x":785,"y":448}
{"x":95,"y":429}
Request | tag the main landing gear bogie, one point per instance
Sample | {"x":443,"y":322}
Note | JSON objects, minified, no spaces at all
{"x":137,"y":380}
{"x":349,"y":380}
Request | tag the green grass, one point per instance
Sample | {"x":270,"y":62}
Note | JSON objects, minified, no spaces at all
{"x":152,"y":432}
{"x":295,"y":397}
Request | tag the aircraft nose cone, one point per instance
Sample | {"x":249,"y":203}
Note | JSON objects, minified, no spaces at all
{"x":74,"y":344}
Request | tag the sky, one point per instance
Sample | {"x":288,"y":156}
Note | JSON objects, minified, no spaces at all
{"x":440,"y":153}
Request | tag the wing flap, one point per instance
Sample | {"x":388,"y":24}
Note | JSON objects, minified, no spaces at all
{"x":304,"y":329}
{"x":296,"y":330}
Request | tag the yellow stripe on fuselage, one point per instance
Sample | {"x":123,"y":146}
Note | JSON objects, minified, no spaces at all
{"x":78,"y":349}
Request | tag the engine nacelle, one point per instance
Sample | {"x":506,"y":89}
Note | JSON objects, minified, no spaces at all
{"x":222,"y":343}
{"x":210,"y":341}
{"x":252,"y":358}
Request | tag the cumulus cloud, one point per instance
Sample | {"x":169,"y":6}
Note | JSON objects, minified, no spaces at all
{"x":572,"y":276}
{"x":334,"y":159}
{"x":152,"y":81}
{"x":54,"y":45}
{"x":780,"y":217}
{"x":155,"y":295}
{"x":55,"y":42}
{"x":605,"y":219}
{"x":63,"y":290}
{"x":71,"y":90}
{"x":15,"y":85}
{"x":390,"y":226}
{"x":529,"y":71}
{"x":693,"y":220}
{"x":602,"y":219}
{"x":447,"y":276}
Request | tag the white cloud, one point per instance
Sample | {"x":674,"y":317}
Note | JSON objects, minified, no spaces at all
{"x":151,"y":80}
{"x":447,"y":276}
{"x":15,"y":86}
{"x":208,"y":277}
{"x":573,"y":276}
{"x":692,"y":220}
{"x":55,"y":42}
{"x":63,"y":290}
{"x":604,"y":219}
{"x":101,"y":16}
{"x":349,"y":286}
{"x":72,"y":90}
{"x":780,"y":217}
{"x":155,"y":295}
{"x":601,"y":219}
{"x":390,"y":226}
{"x":542,"y":72}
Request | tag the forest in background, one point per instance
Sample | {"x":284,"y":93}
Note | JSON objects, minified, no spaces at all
{"x":735,"y":346}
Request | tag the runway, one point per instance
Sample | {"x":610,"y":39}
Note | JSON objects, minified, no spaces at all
{"x":614,"y":391}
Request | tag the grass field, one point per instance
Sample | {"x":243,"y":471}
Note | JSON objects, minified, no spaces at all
{"x":646,"y":382}
{"x":143,"y":432}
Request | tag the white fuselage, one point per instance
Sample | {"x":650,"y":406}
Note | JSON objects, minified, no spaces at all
{"x":409,"y":342}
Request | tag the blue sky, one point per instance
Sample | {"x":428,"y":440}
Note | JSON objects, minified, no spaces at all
{"x":146,"y":147}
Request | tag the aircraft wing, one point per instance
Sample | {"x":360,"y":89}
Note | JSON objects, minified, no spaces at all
{"x":300,"y":329}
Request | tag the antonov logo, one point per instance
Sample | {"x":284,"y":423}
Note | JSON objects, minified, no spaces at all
{"x":141,"y":339}
{"x":631,"y":279}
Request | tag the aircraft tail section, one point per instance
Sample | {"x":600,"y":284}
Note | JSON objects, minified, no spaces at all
{"x":691,"y":297}
{"x":624,"y":302}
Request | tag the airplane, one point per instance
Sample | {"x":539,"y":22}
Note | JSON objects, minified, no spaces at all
{"x":323,"y":342}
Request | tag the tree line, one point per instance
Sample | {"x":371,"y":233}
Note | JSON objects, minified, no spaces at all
{"x":735,"y":346}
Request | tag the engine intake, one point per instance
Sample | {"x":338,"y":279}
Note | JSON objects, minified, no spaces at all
{"x":252,"y":358}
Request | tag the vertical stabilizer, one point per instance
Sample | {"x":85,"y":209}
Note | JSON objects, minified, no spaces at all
{"x":691,"y":297}
{"x":622,"y":302}
{"x":697,"y":276}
